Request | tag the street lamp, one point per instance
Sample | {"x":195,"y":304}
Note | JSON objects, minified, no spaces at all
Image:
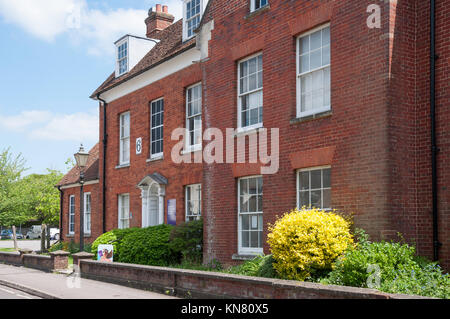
{"x":81,"y":158}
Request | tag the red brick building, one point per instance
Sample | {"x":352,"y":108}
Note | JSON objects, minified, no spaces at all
{"x":345,"y":84}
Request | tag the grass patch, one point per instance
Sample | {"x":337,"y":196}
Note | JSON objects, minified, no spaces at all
{"x":7,"y":249}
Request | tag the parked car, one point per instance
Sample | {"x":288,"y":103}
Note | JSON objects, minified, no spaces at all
{"x":54,"y":233}
{"x":34,"y":232}
{"x":8,"y":234}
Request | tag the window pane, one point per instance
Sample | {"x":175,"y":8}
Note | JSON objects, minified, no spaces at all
{"x":327,"y":198}
{"x":304,"y":63}
{"x":254,"y":239}
{"x":316,"y":59}
{"x":326,"y":55}
{"x":316,"y":40}
{"x":316,"y":198}
{"x":252,"y":204}
{"x":304,"y":199}
{"x":326,"y":178}
{"x":326,"y":36}
{"x":304,"y":45}
{"x":303,"y":180}
{"x":245,"y":239}
{"x":245,"y":222}
{"x":316,"y":179}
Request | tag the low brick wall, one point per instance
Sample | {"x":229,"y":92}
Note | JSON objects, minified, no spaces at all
{"x":204,"y":284}
{"x":38,"y":262}
{"x":12,"y":258}
{"x":55,"y":261}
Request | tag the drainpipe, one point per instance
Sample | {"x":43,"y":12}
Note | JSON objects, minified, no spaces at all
{"x":105,"y":141}
{"x":434,"y":148}
{"x":61,"y":206}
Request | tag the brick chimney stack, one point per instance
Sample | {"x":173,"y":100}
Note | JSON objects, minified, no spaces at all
{"x":158,"y":20}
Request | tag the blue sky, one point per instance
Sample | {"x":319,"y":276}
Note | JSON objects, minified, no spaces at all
{"x":55,"y":53}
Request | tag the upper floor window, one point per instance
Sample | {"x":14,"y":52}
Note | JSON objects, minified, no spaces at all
{"x":156,"y":128}
{"x":193,"y":202}
{"x":122,"y":58}
{"x":192,"y":15}
{"x":194,"y":117}
{"x":124,"y":138}
{"x":257,"y":4}
{"x":250,"y":92}
{"x":313,"y":72}
{"x":314,"y":188}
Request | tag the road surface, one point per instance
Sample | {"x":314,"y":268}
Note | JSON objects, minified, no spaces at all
{"x":23,"y":243}
{"x":9,"y":293}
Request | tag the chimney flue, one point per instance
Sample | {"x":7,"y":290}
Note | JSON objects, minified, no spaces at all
{"x":158,"y":20}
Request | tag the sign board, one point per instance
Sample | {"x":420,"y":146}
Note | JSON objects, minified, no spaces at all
{"x":172,"y":211}
{"x":105,"y":253}
{"x":138,"y":145}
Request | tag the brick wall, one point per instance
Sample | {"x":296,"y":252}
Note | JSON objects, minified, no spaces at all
{"x":376,"y":137}
{"x":203,"y":284}
{"x":96,"y":213}
{"x":125,"y":180}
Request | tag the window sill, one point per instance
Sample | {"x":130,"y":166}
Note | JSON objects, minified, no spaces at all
{"x":70,"y":235}
{"x":257,"y":12}
{"x":122,"y":166}
{"x":247,"y":131}
{"x":312,"y":117}
{"x":154,"y":159}
{"x":192,"y":149}
{"x":246,"y":256}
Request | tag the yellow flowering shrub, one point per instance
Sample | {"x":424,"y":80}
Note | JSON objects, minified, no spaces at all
{"x":307,"y":240}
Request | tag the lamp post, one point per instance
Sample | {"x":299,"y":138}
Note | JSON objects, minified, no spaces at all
{"x":81,"y":158}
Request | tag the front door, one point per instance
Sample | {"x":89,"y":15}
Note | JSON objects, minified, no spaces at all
{"x":153,"y":211}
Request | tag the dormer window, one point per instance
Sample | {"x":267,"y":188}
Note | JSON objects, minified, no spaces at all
{"x":258,"y":4}
{"x":122,"y":57}
{"x":193,"y":10}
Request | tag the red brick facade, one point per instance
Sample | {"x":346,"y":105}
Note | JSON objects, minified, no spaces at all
{"x":376,"y":138}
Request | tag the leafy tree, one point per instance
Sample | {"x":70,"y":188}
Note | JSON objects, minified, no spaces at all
{"x":30,"y":198}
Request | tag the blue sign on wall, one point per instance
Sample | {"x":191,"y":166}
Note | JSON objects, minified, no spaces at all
{"x":172,"y":211}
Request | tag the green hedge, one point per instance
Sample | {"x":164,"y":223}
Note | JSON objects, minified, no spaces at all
{"x":113,"y":237}
{"x":186,"y":241}
{"x":148,"y":246}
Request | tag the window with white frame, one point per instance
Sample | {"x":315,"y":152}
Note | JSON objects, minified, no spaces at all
{"x":156,"y":128}
{"x":250,"y":92}
{"x":257,"y":4}
{"x":124,"y":138}
{"x":314,"y":188}
{"x":192,"y":15}
{"x":124,"y":211}
{"x":193,"y":202}
{"x":122,"y":57}
{"x":194,"y":117}
{"x":250,"y":222}
{"x":71,"y":214}
{"x":87,"y":213}
{"x":313,"y":72}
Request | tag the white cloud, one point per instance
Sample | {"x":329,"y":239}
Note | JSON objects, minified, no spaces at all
{"x":45,"y":125}
{"x":95,"y":29}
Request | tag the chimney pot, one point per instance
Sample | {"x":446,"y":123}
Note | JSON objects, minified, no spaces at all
{"x":165,"y":9}
{"x":158,"y":8}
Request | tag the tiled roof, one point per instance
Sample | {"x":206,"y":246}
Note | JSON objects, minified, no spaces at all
{"x":170,"y":44}
{"x":90,"y":173}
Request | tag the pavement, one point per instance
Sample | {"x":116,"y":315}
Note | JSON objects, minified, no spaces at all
{"x":59,"y":286}
{"x":23,"y":243}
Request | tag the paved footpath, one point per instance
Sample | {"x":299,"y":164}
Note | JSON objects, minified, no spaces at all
{"x":60,"y":286}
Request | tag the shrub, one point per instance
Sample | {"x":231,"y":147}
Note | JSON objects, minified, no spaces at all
{"x":400,"y":270}
{"x":260,"y":266}
{"x":113,"y":237}
{"x":147,"y":246}
{"x":306,"y":242}
{"x":266,"y":268}
{"x":186,"y":241}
